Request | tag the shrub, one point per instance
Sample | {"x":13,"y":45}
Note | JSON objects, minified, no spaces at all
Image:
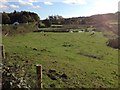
{"x":113,"y":43}
{"x":19,"y":29}
{"x":47,"y":23}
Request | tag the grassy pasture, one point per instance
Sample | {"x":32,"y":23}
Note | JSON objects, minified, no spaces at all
{"x":68,"y":59}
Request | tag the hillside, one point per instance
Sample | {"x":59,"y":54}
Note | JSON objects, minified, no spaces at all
{"x":102,"y":22}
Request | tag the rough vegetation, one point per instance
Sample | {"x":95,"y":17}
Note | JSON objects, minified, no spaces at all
{"x":9,"y":30}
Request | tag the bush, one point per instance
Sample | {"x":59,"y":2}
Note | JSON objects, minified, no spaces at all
{"x":113,"y":43}
{"x":41,"y":25}
{"x":47,"y":23}
{"x":19,"y":29}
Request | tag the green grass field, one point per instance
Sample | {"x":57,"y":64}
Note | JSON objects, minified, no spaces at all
{"x":68,"y":59}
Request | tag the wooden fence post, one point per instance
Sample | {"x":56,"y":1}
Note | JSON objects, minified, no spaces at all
{"x":39,"y":75}
{"x":2,"y":51}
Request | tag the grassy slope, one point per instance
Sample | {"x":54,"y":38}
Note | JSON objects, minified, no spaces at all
{"x":67,"y":53}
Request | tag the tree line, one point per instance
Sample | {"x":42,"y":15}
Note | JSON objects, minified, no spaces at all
{"x":21,"y":17}
{"x":26,"y":17}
